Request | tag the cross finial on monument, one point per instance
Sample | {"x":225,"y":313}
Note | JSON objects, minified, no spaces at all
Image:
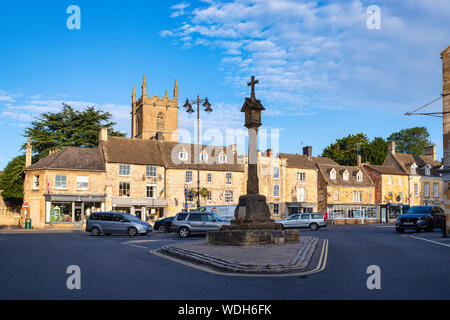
{"x":252,"y":84}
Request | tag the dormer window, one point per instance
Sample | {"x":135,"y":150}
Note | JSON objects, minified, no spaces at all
{"x":203,"y":157}
{"x":183,"y":155}
{"x":222,"y":158}
{"x":333,"y":174}
{"x":345,"y":175}
{"x":427,"y":170}
{"x":413,"y":168}
{"x":359,"y":176}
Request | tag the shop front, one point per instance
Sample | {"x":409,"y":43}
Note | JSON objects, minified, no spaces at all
{"x":146,"y":209}
{"x":298,"y":207}
{"x":72,"y":208}
{"x":352,"y":213}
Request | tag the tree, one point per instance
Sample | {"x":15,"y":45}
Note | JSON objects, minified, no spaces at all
{"x":412,"y":140}
{"x":345,"y":150}
{"x":375,"y":152}
{"x":68,"y":127}
{"x":11,"y":181}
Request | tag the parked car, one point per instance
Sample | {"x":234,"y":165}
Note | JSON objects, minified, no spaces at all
{"x":420,"y":218}
{"x":163,"y":225}
{"x":187,"y":223}
{"x":313,"y":221}
{"x":117,"y":223}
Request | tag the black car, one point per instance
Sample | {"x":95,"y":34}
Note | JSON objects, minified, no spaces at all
{"x":163,"y":225}
{"x":420,"y":218}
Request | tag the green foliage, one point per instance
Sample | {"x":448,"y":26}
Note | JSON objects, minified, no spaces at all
{"x":344,"y":151}
{"x":11,"y":181}
{"x":412,"y":140}
{"x":68,"y":127}
{"x":374,"y":152}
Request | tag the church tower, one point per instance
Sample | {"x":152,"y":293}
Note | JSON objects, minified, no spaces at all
{"x":154,"y":117}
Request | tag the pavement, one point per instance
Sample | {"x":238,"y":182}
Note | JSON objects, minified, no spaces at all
{"x":34,"y":266}
{"x":273,"y":258}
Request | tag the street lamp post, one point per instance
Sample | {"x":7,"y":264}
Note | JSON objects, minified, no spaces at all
{"x":190,"y":110}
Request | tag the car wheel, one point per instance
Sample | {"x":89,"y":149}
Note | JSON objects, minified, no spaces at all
{"x":314,"y":227}
{"x":282,"y":226}
{"x":399,"y":230}
{"x":162,"y":229}
{"x":95,"y":231}
{"x":132,"y":231}
{"x":184,"y":233}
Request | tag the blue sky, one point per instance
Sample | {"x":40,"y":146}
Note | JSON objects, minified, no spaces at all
{"x":323,"y":74}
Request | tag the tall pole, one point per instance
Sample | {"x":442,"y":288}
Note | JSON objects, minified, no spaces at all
{"x":197,"y":153}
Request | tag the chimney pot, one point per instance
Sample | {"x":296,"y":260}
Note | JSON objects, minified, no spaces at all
{"x":431,"y":151}
{"x":103,"y":136}
{"x":269,"y":153}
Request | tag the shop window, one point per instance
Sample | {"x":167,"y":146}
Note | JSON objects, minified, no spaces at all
{"x":228,"y":196}
{"x":151,"y":191}
{"x":124,"y":189}
{"x":35,"y":182}
{"x":82,"y":183}
{"x":124,"y":170}
{"x":61,"y":212}
{"x":229,"y":179}
{"x":151,"y":171}
{"x":60,"y":181}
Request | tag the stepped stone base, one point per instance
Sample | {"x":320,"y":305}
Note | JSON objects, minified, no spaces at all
{"x":251,"y":237}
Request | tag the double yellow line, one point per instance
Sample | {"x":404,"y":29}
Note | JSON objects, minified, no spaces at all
{"x":320,"y":266}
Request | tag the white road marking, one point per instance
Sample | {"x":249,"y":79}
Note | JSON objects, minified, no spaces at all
{"x":428,"y":240}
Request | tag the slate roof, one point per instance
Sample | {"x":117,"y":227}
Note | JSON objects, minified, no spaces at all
{"x":72,"y":158}
{"x":325,"y":169}
{"x":385,"y":169}
{"x":303,"y":162}
{"x":159,"y":153}
{"x":406,"y":160}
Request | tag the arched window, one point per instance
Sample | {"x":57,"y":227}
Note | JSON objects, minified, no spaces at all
{"x":160,"y":122}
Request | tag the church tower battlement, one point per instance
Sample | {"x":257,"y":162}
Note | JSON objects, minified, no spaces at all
{"x":153,"y":117}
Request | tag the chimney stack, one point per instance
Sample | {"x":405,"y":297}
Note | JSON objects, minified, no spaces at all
{"x":358,"y":161}
{"x":269,"y":153}
{"x":391,"y":147}
{"x":103,"y":136}
{"x":307,"y":151}
{"x":431,"y":151}
{"x":28,"y":154}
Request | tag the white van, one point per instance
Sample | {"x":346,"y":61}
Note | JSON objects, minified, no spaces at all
{"x":224,"y":212}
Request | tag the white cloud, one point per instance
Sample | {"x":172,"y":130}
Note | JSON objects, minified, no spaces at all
{"x":310,"y":54}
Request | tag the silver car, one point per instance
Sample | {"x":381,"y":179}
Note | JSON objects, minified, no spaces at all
{"x":187,"y":223}
{"x":117,"y":223}
{"x":313,"y":221}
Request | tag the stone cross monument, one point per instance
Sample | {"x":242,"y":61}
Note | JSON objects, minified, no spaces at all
{"x":252,"y":224}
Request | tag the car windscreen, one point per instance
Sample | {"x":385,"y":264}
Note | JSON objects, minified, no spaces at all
{"x":217,"y":217}
{"x":419,"y":210}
